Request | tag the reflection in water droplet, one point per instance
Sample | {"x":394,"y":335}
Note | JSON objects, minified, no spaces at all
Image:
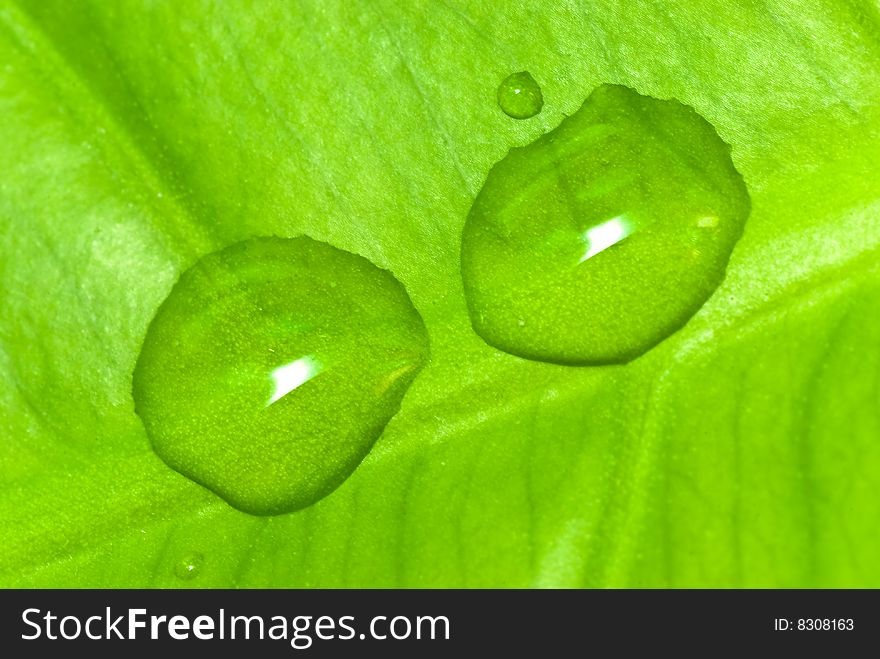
{"x":189,"y":565}
{"x":519,"y":95}
{"x":267,"y":384}
{"x":601,"y":238}
{"x":292,"y":375}
{"x":708,"y":222}
{"x":604,"y":235}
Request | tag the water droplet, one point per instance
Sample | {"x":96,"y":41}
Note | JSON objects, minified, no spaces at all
{"x":520,"y":96}
{"x":189,"y":565}
{"x":268,"y":385}
{"x":604,"y":236}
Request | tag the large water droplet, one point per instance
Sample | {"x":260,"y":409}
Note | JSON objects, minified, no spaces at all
{"x":272,"y":368}
{"x":520,"y":96}
{"x":604,"y":236}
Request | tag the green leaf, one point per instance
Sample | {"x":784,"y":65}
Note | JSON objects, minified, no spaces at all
{"x":139,"y":136}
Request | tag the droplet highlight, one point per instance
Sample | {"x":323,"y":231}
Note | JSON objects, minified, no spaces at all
{"x":601,"y":238}
{"x":519,"y":95}
{"x":290,"y":376}
{"x":272,"y":368}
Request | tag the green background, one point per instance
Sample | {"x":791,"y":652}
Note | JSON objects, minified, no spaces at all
{"x":137,"y":136}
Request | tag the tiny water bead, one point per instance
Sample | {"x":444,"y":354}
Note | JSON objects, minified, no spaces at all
{"x":519,"y":96}
{"x":272,"y":368}
{"x":603,"y":237}
{"x":188,"y":566}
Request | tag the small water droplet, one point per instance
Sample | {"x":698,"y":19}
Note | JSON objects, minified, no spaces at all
{"x":601,"y":238}
{"x":267,"y":385}
{"x":188,"y":566}
{"x":519,"y":95}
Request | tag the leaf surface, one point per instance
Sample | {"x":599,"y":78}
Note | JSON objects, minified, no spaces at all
{"x":137,"y":136}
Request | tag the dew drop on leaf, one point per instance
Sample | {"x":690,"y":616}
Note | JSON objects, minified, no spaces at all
{"x":189,"y":565}
{"x":273,"y":366}
{"x":603,"y":237}
{"x":519,"y":96}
